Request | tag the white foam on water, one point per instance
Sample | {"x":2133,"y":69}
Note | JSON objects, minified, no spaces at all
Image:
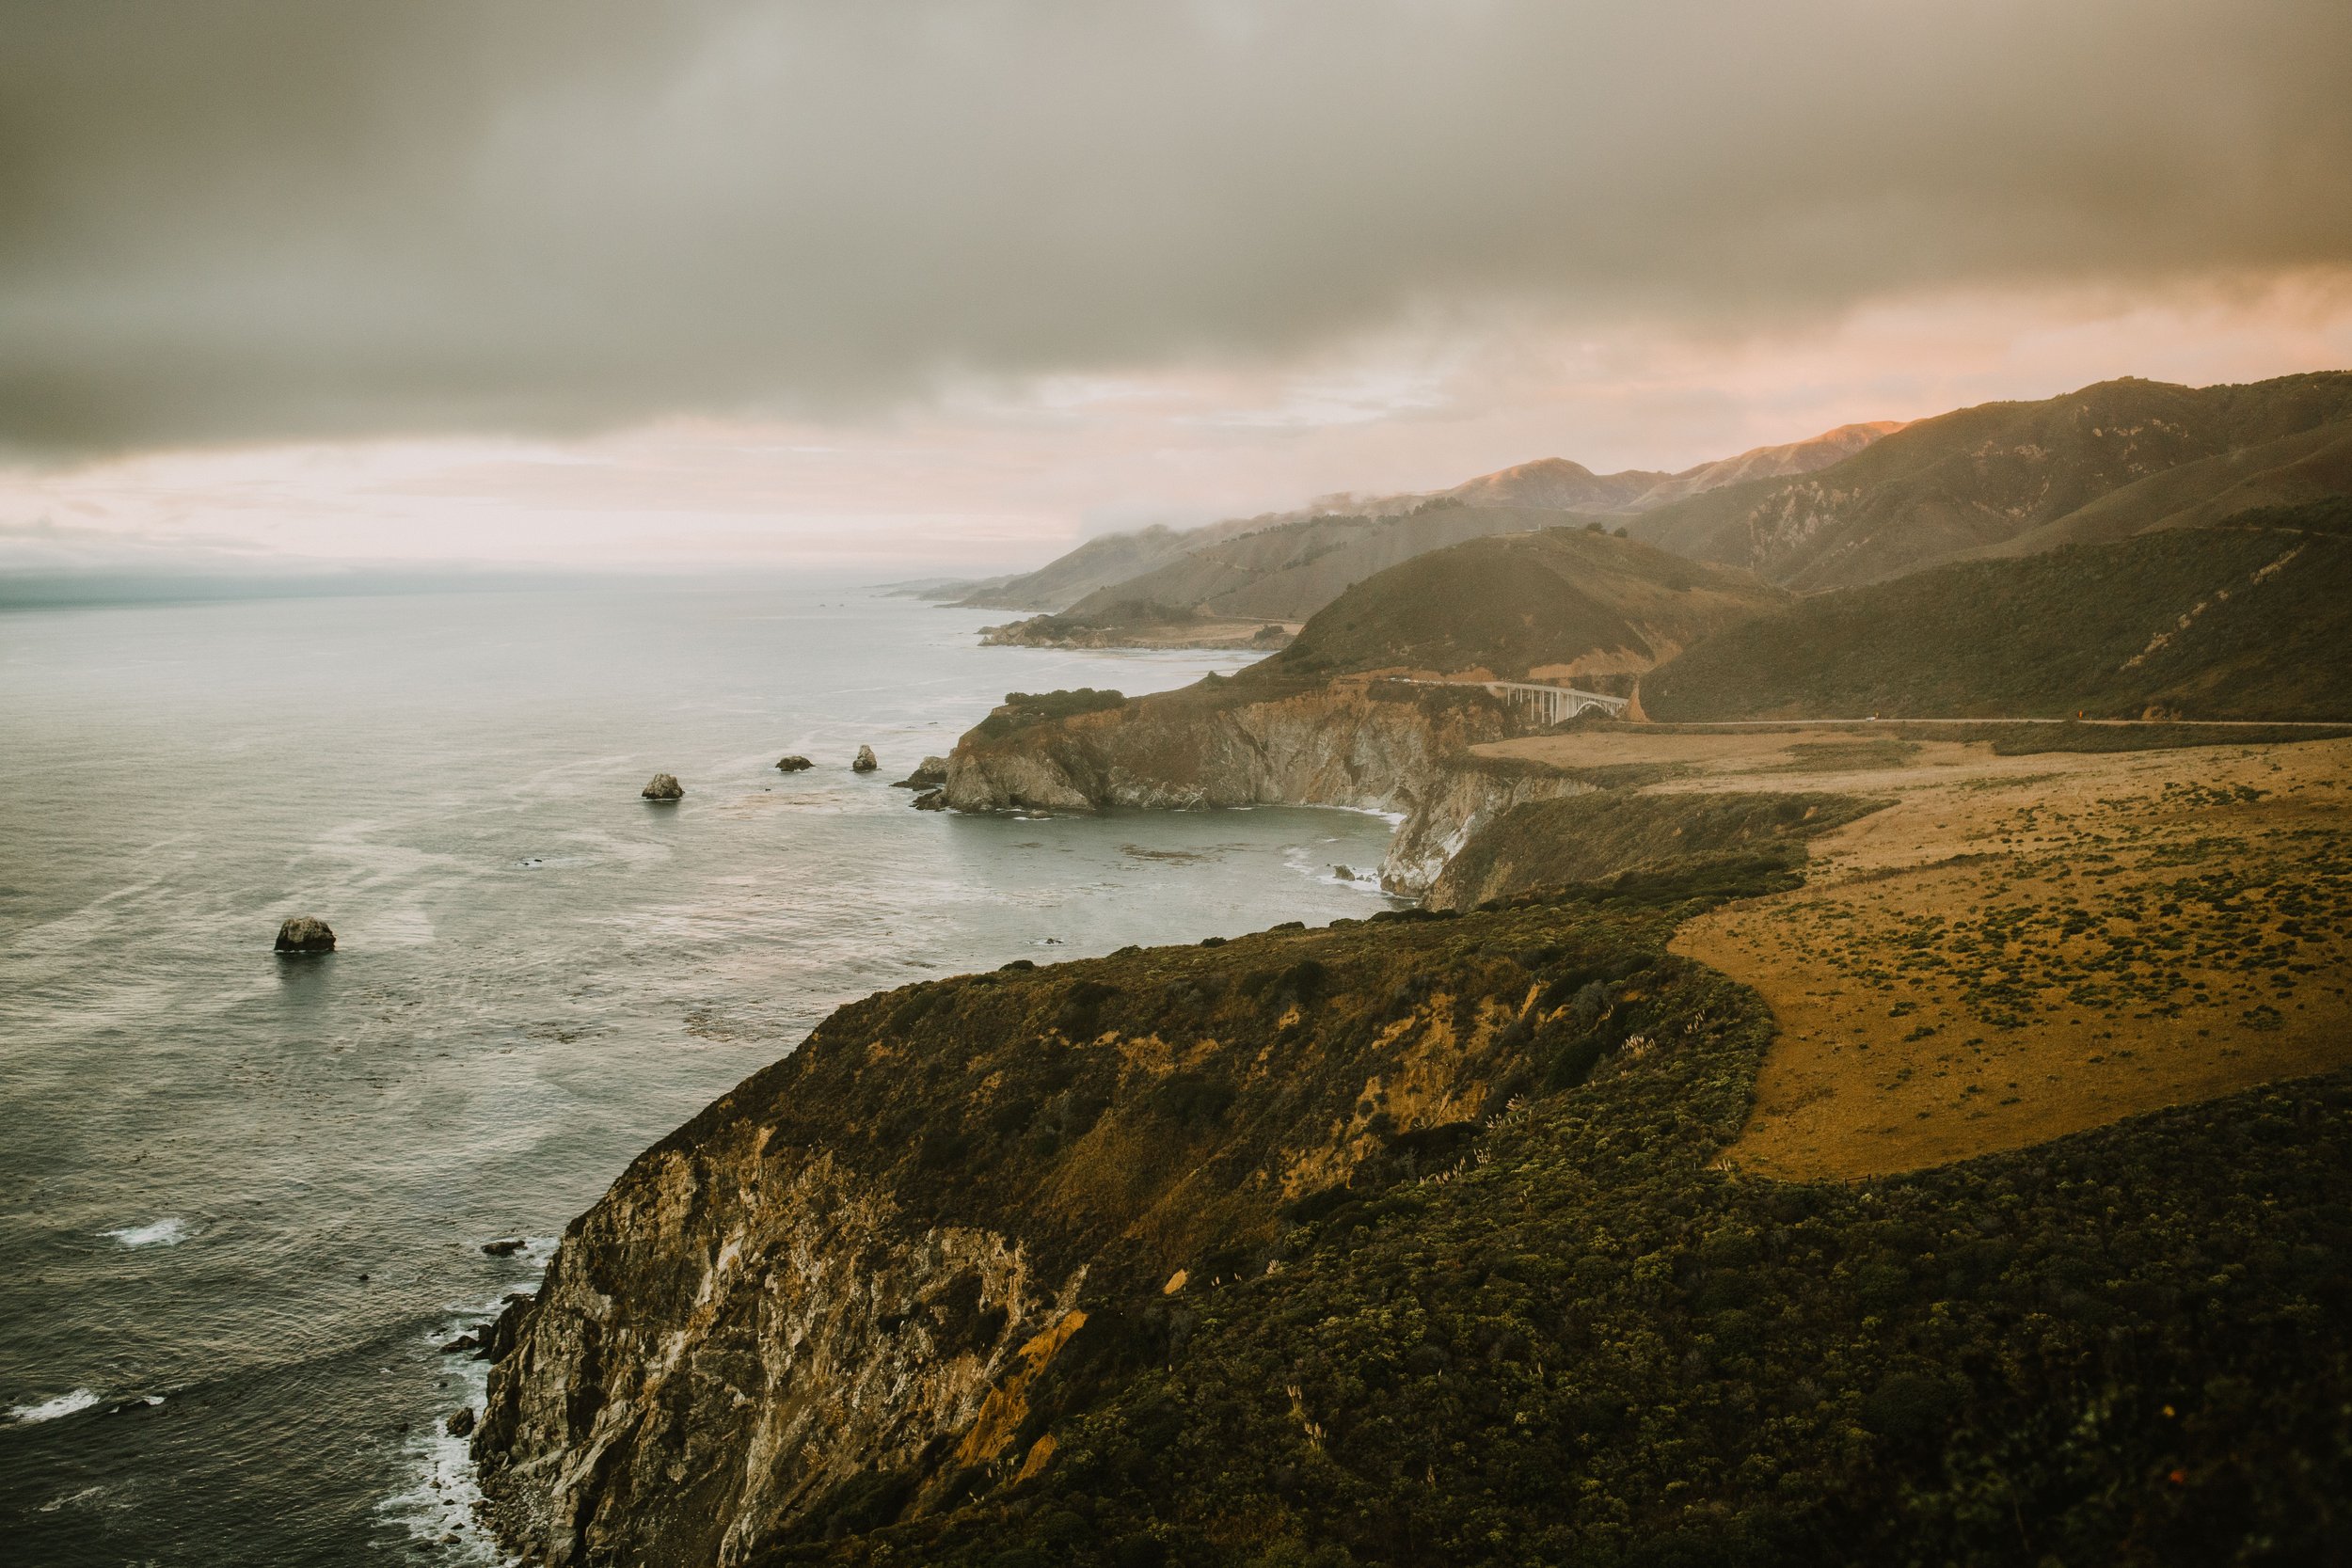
{"x":166,"y":1232}
{"x":49,"y":1410}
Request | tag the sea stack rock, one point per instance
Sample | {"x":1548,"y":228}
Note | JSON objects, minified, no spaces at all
{"x":794,"y":763}
{"x":305,"y":934}
{"x":865,"y":763}
{"x":663,"y":787}
{"x":930,"y":776}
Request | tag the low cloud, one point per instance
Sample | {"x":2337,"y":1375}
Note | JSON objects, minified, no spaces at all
{"x":283,"y":220}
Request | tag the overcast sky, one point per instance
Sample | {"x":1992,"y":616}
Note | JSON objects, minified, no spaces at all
{"x":775,"y":281}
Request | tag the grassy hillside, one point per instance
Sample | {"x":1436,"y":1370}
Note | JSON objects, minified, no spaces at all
{"x":1289,"y":572}
{"x":1284,"y":566}
{"x":1975,"y":479}
{"x":1554,"y":1330}
{"x":1570,"y":602}
{"x":2233,"y":623}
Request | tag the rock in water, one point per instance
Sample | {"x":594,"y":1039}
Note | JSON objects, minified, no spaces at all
{"x":865,"y":763}
{"x":663,"y":787}
{"x":794,"y":763}
{"x":305,"y":934}
{"x":930,"y":776}
{"x":460,"y":1423}
{"x":932,"y":799}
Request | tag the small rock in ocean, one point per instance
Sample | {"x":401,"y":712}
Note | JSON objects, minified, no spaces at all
{"x":663,"y":787}
{"x":1344,"y":873}
{"x":794,"y":763}
{"x":505,"y":1246}
{"x":463,"y":1342}
{"x":932,"y":799}
{"x":865,"y":763}
{"x":460,"y":1423}
{"x":305,"y":934}
{"x":933,"y":773}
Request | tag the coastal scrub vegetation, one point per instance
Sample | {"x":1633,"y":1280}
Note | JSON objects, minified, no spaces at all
{"x":1552,"y":1326}
{"x":1021,"y":709}
{"x":2220,"y":622}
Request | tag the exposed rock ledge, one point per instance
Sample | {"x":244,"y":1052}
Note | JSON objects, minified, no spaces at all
{"x":831,"y":1299}
{"x":1368,"y":745}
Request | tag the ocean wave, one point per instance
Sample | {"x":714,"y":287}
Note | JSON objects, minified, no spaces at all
{"x":166,"y":1232}
{"x":49,"y":1410}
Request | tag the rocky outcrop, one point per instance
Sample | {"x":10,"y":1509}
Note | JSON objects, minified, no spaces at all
{"x":793,"y":764}
{"x":870,"y":1280}
{"x":1368,"y":745}
{"x":305,"y":934}
{"x":930,"y":776}
{"x":864,"y":761}
{"x":663,"y":787}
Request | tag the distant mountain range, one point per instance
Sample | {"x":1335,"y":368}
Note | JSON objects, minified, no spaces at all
{"x":1284,"y":566}
{"x":2112,"y":460}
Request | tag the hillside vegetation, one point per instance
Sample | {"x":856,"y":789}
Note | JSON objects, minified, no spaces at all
{"x":1563,"y":603}
{"x":2233,"y":623}
{"x":1343,"y":538}
{"x":1407,"y":1242}
{"x":1982,"y":478}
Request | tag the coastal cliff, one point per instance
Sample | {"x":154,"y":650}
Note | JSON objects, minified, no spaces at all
{"x":1412,"y":1242}
{"x":854,"y":1288}
{"x":1368,"y":745}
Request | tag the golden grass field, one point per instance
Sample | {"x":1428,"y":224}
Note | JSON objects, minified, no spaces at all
{"x":2020,"y":947}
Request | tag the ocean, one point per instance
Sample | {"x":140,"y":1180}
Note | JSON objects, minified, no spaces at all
{"x":247,"y":1198}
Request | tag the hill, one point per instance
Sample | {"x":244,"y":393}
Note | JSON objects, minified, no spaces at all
{"x":1982,"y":478}
{"x":2242,"y":621}
{"x":1289,"y":572}
{"x":1566,"y":603}
{"x":1362,"y":535}
{"x":1413,"y":1241}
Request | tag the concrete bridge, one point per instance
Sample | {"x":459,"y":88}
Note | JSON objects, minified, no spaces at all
{"x":1552,"y":704}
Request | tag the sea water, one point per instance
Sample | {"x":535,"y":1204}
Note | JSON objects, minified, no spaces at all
{"x":247,"y":1196}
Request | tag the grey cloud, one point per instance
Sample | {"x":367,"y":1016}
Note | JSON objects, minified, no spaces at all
{"x":229,"y":222}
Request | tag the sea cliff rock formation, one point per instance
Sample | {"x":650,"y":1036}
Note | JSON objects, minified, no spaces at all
{"x":1369,"y":745}
{"x":864,"y":761}
{"x":663,"y":787}
{"x":860,"y":1285}
{"x":931,"y":775}
{"x":305,"y":934}
{"x":1412,"y":1242}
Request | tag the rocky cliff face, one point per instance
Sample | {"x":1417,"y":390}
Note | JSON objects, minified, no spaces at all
{"x":1368,"y":745}
{"x":862,"y":1285}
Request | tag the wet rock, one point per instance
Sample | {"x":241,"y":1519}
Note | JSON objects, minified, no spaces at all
{"x":930,"y":776}
{"x":932,"y":799}
{"x":305,"y":934}
{"x":500,"y":1338}
{"x":665,"y":787}
{"x":462,"y":1343}
{"x":505,"y":1246}
{"x":865,"y":762}
{"x":793,"y":764}
{"x":460,"y":1423}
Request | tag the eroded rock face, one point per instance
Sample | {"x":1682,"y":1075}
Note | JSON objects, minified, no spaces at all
{"x":305,"y":934}
{"x":1363,"y":745}
{"x":876,"y":1274}
{"x":728,"y":1335}
{"x":930,"y":776}
{"x":663,"y":787}
{"x":864,"y":761}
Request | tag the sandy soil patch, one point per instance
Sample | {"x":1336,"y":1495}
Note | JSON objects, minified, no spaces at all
{"x":2021,"y":947}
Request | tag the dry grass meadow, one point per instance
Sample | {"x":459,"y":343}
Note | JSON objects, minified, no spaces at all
{"x":2019,"y":947}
